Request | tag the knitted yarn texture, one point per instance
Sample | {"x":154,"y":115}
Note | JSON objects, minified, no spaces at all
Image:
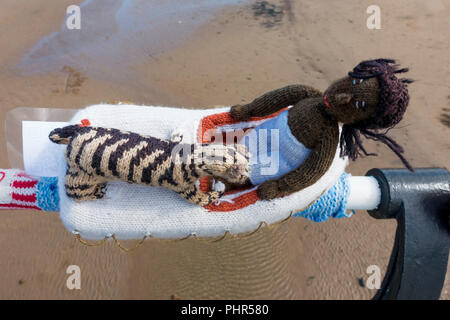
{"x":95,"y":155}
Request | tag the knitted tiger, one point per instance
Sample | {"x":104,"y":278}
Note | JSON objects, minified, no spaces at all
{"x":95,"y":155}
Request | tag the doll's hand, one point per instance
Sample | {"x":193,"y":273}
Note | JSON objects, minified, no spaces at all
{"x":240,"y":112}
{"x":268,"y":190}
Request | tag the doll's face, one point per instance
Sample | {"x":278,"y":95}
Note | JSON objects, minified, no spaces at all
{"x":351,"y":100}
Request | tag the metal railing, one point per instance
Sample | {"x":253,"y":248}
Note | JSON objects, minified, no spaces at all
{"x":420,"y":202}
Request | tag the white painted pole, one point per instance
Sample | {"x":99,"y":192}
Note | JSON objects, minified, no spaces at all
{"x":365,"y":193}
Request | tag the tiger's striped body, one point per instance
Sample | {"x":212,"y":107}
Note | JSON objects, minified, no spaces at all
{"x":96,"y":155}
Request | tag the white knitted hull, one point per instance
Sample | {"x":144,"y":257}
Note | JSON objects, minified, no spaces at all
{"x":132,"y":211}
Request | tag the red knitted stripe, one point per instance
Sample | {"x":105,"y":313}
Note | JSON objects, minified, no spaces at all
{"x":21,"y":197}
{"x":18,"y":206}
{"x":23,"y":174}
{"x":205,"y":183}
{"x":24,"y":184}
{"x":238,"y":203}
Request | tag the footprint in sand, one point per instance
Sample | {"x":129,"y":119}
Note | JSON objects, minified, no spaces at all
{"x":445,"y":115}
{"x":74,"y":80}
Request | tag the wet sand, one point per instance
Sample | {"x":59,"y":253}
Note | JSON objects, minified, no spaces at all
{"x":233,"y":58}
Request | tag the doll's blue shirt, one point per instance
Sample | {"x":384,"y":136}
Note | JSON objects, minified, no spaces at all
{"x":273,"y":149}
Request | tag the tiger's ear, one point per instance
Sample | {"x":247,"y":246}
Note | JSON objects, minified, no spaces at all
{"x":343,"y":98}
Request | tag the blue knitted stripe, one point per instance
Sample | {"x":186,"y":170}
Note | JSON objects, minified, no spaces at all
{"x":332,"y":204}
{"x":47,"y":194}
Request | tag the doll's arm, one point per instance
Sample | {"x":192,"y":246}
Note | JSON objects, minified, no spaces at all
{"x":314,"y":167}
{"x":273,"y":101}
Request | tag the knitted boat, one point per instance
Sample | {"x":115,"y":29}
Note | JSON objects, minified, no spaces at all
{"x":133,"y":211}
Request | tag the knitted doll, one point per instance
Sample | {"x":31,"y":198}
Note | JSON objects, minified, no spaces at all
{"x":370,"y":98}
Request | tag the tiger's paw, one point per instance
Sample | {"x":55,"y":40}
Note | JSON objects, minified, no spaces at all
{"x":238,"y":170}
{"x":221,"y":158}
{"x":238,"y":173}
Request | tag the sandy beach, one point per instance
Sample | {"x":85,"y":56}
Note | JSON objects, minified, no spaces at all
{"x":210,"y":56}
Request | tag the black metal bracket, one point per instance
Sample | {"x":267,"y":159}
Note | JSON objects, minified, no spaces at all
{"x":420,"y":202}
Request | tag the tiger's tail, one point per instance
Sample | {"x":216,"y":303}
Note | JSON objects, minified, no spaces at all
{"x":63,"y":135}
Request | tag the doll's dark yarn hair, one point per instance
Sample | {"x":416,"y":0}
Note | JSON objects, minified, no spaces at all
{"x":393,"y":101}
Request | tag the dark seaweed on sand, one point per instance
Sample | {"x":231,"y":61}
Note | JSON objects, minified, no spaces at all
{"x":272,"y":14}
